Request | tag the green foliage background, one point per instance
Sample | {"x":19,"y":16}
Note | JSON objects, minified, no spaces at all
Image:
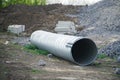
{"x":5,"y":3}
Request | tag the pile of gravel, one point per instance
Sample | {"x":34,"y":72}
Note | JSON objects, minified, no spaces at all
{"x":112,"y":50}
{"x":103,"y":19}
{"x":105,"y":14}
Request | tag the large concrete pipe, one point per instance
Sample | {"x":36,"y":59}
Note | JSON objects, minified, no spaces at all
{"x":82,"y":51}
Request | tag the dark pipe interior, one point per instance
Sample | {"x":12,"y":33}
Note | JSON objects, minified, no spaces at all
{"x":84,"y":51}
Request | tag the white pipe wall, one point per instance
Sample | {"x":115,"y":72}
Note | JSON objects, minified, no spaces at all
{"x":63,"y":46}
{"x":54,"y":43}
{"x":73,"y":2}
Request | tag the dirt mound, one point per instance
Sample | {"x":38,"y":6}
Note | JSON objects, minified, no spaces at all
{"x":35,"y":17}
{"x":105,"y":14}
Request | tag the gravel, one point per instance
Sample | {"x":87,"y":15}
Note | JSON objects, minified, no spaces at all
{"x":101,"y":23}
{"x":118,"y":59}
{"x":112,"y":50}
{"x":117,"y":71}
{"x":105,"y":14}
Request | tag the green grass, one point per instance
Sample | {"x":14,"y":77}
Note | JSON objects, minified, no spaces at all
{"x":5,"y":3}
{"x":35,"y":71}
{"x":101,"y":56}
{"x":33,"y":49}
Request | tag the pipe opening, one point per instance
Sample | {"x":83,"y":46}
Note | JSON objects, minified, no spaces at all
{"x":84,"y":51}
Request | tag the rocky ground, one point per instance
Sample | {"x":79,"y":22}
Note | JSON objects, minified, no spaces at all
{"x":19,"y":64}
{"x":100,"y":22}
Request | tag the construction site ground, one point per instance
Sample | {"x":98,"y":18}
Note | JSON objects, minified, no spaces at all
{"x":19,"y":64}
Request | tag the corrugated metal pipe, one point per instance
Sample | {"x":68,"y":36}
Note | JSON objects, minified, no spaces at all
{"x":80,"y":50}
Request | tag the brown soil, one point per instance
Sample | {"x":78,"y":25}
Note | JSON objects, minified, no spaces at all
{"x":10,"y":69}
{"x":35,"y":17}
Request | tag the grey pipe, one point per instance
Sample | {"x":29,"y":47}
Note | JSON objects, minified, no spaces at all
{"x":82,"y":51}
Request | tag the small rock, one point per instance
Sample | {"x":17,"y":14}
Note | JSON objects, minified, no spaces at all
{"x":5,"y":72}
{"x":6,"y":42}
{"x":117,"y":71}
{"x":49,"y":55}
{"x":8,"y":62}
{"x":118,"y":59}
{"x":42,"y":63}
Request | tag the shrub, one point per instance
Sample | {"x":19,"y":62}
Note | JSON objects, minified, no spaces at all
{"x":5,"y":3}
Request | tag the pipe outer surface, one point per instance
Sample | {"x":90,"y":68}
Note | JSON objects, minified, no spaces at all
{"x":82,"y":51}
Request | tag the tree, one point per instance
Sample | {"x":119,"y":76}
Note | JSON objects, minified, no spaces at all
{"x":1,"y":3}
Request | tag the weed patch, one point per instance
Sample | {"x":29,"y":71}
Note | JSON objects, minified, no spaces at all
{"x":35,"y":71}
{"x":33,"y":49}
{"x":102,"y":56}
